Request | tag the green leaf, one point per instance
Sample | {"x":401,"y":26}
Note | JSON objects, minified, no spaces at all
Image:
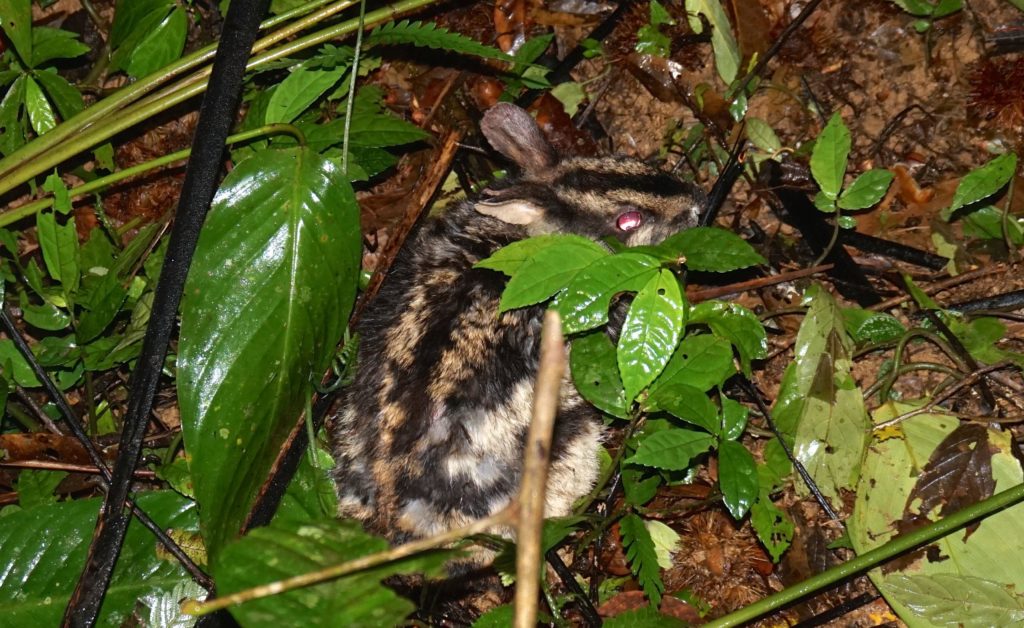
{"x":45,"y":549}
{"x":548,"y":270}
{"x":40,"y":113}
{"x":372,"y":160}
{"x":16,"y":19}
{"x":666,"y":542}
{"x":651,"y":41}
{"x":823,"y":401}
{"x":711,"y":249}
{"x":702,"y":361}
{"x":866,"y":326}
{"x":133,"y":19}
{"x":727,"y":54}
{"x":46,"y":316}
{"x":266,"y":300}
{"x":672,"y":450}
{"x":866,"y":190}
{"x":65,"y":97}
{"x":734,"y":418}
{"x":61,"y":198}
{"x":497,"y":617}
{"x":639,"y":485}
{"x":283,"y":550}
{"x":428,"y":35}
{"x":508,"y":259}
{"x":987,"y":223}
{"x":54,"y":43}
{"x":160,"y":47}
{"x":953,"y":600}
{"x":35,"y":487}
{"x":102,"y":305}
{"x":982,"y":182}
{"x":571,"y":94}
{"x":379,"y":130}
{"x":828,"y":159}
{"x":773,"y":526}
{"x":596,"y":373}
{"x":736,"y":324}
{"x":642,"y":557}
{"x":687,"y":403}
{"x":14,"y":365}
{"x":13,"y":136}
{"x":762,"y":135}
{"x":651,"y":332}
{"x":60,"y":249}
{"x":584,"y":304}
{"x":297,"y":92}
{"x":737,"y":475}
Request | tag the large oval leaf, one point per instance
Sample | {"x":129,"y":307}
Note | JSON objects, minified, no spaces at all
{"x":651,"y":332}
{"x":266,"y":300}
{"x":584,"y":304}
{"x":596,"y":374}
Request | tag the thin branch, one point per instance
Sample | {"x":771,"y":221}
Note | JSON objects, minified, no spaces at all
{"x":535,"y":470}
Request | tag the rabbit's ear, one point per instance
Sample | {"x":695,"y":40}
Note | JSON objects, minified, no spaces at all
{"x":515,"y":134}
{"x":514,"y":211}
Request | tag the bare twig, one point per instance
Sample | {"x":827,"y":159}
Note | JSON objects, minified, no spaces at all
{"x":535,"y":470}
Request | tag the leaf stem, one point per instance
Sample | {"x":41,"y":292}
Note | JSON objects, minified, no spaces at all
{"x":28,"y":209}
{"x":873,"y":558}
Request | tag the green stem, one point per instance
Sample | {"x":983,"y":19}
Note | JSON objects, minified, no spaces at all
{"x":28,"y":209}
{"x":17,"y":168}
{"x":873,"y":558}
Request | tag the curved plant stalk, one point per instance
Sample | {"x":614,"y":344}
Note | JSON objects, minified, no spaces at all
{"x":28,"y":209}
{"x":873,"y":558}
{"x":84,"y":131}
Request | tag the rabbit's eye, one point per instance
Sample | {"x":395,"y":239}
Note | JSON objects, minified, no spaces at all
{"x":629,"y":221}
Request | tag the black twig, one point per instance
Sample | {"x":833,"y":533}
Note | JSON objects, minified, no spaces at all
{"x":90,"y":448}
{"x":987,"y":398}
{"x":1007,"y":301}
{"x":724,"y":184}
{"x":773,"y":50}
{"x":569,"y":580}
{"x":755,"y":394}
{"x":216,"y":116}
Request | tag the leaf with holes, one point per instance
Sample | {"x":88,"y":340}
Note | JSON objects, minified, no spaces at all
{"x":711,"y":249}
{"x":596,"y":373}
{"x":702,"y":361}
{"x":651,"y":332}
{"x":16,"y":20}
{"x":265,"y":302}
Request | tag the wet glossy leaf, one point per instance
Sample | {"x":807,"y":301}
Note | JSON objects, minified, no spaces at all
{"x":40,"y":113}
{"x":266,"y":300}
{"x":736,"y":324}
{"x":734,"y":418}
{"x":584,"y":304}
{"x":548,"y":270}
{"x":685,"y":402}
{"x":54,"y":43}
{"x":651,"y":332}
{"x":16,"y":19}
{"x":298,"y":91}
{"x":773,"y":526}
{"x":982,"y":182}
{"x":64,"y":96}
{"x":46,"y":316}
{"x":828,"y":159}
{"x":12,"y":137}
{"x":712,"y":249}
{"x":14,"y":365}
{"x":702,"y":361}
{"x":509,"y":259}
{"x":867,"y":326}
{"x":160,"y":47}
{"x":134,"y":18}
{"x":595,"y":373}
{"x":737,"y":475}
{"x":952,"y":600}
{"x":45,"y":548}
{"x":866,"y":190}
{"x":672,"y":450}
{"x":283,"y":550}
{"x":643,"y":559}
